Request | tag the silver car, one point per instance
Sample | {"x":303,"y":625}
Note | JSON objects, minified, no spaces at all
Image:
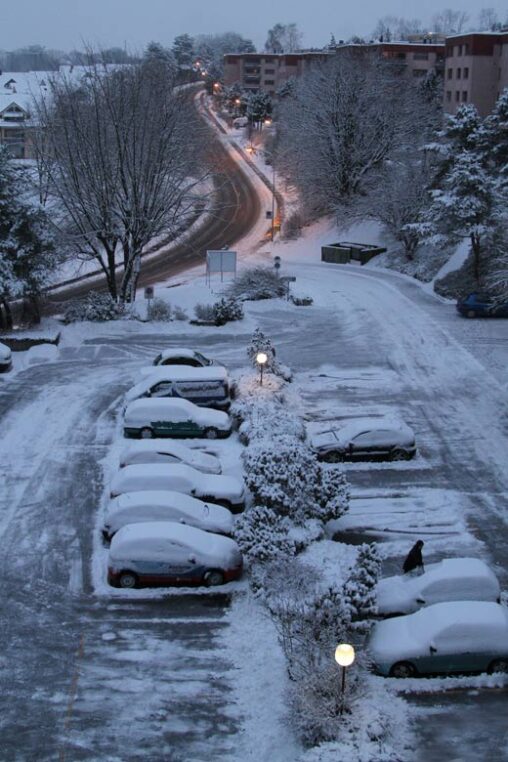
{"x":365,"y":439}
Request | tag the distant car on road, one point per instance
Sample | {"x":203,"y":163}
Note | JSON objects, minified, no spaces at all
{"x":5,"y":358}
{"x":160,"y":554}
{"x":365,"y":439}
{"x":172,"y":417}
{"x":482,"y":305}
{"x":167,"y":451}
{"x":165,"y":505}
{"x":458,"y":636}
{"x":225,"y":490}
{"x":453,"y":579}
{"x":183,"y":356}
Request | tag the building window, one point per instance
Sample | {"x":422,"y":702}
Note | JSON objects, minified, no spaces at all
{"x":464,"y":96}
{"x":448,"y":95}
{"x":465,"y":73}
{"x":450,"y":73}
{"x":419,"y":72}
{"x":457,"y":96}
{"x":420,"y":56}
{"x":401,"y":55}
{"x":269,"y":81}
{"x":269,"y":71}
{"x":459,"y":72}
{"x":466,"y":48}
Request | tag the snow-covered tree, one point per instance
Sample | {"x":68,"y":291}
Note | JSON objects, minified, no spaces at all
{"x":210,"y":50}
{"x":263,"y":535}
{"x":183,"y":51}
{"x":259,"y":106}
{"x":261,"y":343}
{"x":359,"y":591}
{"x":157,"y":53}
{"x":491,"y":139}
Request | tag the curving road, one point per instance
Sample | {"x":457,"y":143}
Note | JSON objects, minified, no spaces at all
{"x":235,"y":211}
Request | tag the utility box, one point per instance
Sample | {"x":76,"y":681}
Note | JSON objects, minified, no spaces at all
{"x":343,"y":252}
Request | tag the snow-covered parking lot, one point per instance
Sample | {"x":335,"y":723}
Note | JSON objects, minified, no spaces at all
{"x":179,"y":669}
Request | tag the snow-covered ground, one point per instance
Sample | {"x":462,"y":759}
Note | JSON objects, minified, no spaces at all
{"x":100,"y":675}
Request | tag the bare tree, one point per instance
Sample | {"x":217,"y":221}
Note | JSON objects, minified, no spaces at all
{"x":450,"y":21}
{"x":488,"y":20}
{"x":121,"y":148}
{"x":283,"y":38}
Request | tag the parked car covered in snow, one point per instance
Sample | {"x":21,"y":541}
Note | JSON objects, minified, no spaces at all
{"x":166,"y":417}
{"x":453,"y":579}
{"x":365,"y":439}
{"x":457,"y":636}
{"x":183,"y":356}
{"x":208,"y":387}
{"x":161,"y":553}
{"x":165,"y":505}
{"x":5,"y":358}
{"x":167,"y":451}
{"x":482,"y":305}
{"x":226,"y":490}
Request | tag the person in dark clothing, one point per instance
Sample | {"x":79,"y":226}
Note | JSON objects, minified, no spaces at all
{"x":414,"y":560}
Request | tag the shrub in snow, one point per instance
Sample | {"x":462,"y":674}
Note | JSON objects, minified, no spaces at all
{"x":159,"y":310}
{"x":286,"y":476}
{"x":263,"y":535}
{"x":227,"y":310}
{"x":205,"y":313}
{"x":302,"y":301}
{"x":95,"y":306}
{"x":292,"y":227}
{"x":266,"y":419}
{"x":179,"y":314}
{"x":360,"y":588}
{"x":256,"y":283}
{"x":262,"y":343}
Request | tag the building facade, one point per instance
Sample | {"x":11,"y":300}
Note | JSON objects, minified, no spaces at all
{"x":415,"y":59}
{"x":267,"y":71}
{"x":476,"y":70}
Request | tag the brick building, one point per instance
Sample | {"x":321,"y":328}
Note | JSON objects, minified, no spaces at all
{"x":267,"y":71}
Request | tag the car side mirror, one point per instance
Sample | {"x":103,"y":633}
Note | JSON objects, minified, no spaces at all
{"x":432,"y":648}
{"x":192,"y":559}
{"x":421,"y":601}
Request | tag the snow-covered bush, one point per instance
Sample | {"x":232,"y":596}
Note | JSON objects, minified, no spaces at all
{"x":226,"y":311}
{"x":302,"y":301}
{"x":286,"y":476}
{"x":256,"y":283}
{"x":266,"y":419}
{"x":204,"y":312}
{"x":262,"y":343}
{"x":292,"y":227}
{"x":95,"y":306}
{"x":263,"y":535}
{"x":159,"y":310}
{"x":179,"y":314}
{"x":360,"y":587}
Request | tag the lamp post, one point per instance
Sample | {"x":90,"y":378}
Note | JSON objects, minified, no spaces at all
{"x":261,"y":359}
{"x":273,"y":199}
{"x":344,"y":656}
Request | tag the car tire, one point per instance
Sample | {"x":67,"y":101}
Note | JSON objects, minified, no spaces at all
{"x":499,"y":666}
{"x":213,"y":578}
{"x":146,"y":433}
{"x":471,"y":313}
{"x":333,"y":457}
{"x":128,"y":580}
{"x":211,"y":433}
{"x":403,"y":669}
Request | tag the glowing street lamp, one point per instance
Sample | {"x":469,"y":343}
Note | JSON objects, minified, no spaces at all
{"x":261,"y":359}
{"x":268,"y":121}
{"x":344,"y":656}
{"x":216,"y":86}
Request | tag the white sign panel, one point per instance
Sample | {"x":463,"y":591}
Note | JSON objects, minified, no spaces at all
{"x":222,"y":261}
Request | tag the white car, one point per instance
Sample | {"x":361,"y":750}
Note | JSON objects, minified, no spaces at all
{"x":208,"y":387}
{"x":453,"y":579}
{"x":160,"y":505}
{"x":366,"y":439}
{"x":456,"y":636}
{"x":161,"y":553}
{"x":5,"y":358}
{"x":225,"y":490}
{"x":171,"y":417}
{"x":167,"y":451}
{"x":182,"y":356}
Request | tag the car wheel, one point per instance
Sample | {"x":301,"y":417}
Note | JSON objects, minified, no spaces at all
{"x":403,"y":669}
{"x":499,"y":666}
{"x":471,"y":313}
{"x":211,"y":433}
{"x":128,"y":580}
{"x":333,"y":457}
{"x":213,"y":578}
{"x":146,"y":433}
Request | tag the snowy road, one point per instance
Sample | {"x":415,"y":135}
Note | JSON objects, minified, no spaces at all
{"x":87,"y":679}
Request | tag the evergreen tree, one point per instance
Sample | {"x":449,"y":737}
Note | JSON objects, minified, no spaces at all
{"x":183,"y":51}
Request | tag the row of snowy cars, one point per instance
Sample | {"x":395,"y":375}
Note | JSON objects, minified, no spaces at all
{"x":170,"y":514}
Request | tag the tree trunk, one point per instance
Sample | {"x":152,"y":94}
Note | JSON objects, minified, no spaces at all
{"x":8,"y":314}
{"x":476,"y":249}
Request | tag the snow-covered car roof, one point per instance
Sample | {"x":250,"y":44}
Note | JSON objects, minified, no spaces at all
{"x":166,"y":354}
{"x":5,"y":352}
{"x":405,"y":636}
{"x":167,"y":505}
{"x":176,"y":477}
{"x":357,"y":426}
{"x":463,"y":576}
{"x":203,"y":461}
{"x":156,"y":539}
{"x":162,"y":408}
{"x":184,"y":373}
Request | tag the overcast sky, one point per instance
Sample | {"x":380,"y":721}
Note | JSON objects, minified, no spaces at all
{"x":65,"y":23}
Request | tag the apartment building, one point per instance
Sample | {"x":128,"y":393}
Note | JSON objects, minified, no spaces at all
{"x":476,"y":70}
{"x":267,"y":71}
{"x":414,"y":59}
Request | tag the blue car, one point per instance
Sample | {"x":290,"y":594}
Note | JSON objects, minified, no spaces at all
{"x":482,"y":305}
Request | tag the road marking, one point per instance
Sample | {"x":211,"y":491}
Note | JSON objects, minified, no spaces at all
{"x":73,"y":692}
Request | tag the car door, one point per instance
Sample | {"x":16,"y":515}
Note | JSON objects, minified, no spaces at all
{"x":364,"y":445}
{"x":172,"y":426}
{"x":182,"y":567}
{"x":455,"y":649}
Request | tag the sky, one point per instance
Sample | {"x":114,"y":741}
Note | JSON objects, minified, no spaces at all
{"x":64,"y":24}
